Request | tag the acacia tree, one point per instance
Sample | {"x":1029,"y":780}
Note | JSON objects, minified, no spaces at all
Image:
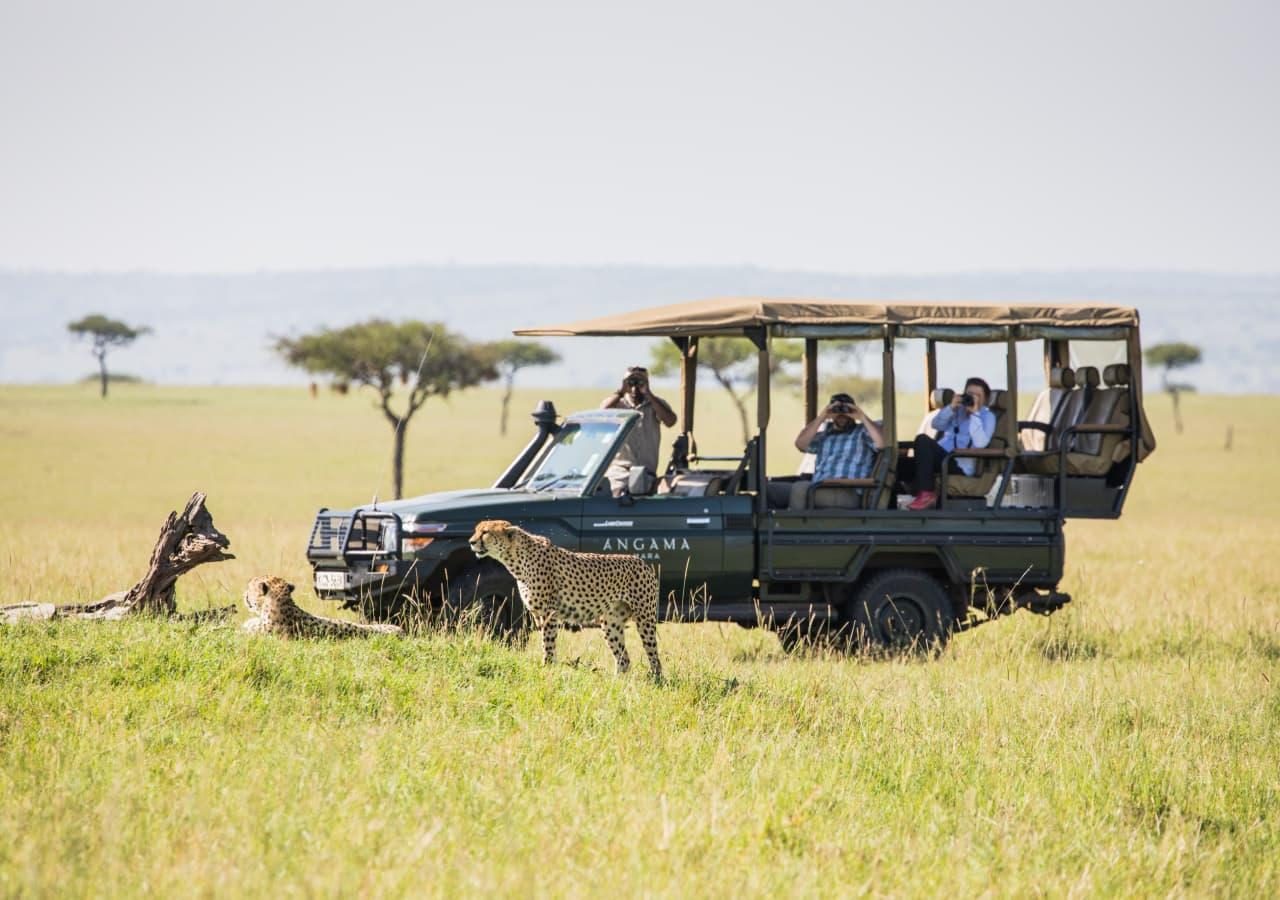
{"x":733,"y":364}
{"x":1173,"y":355}
{"x":512,"y":356}
{"x":106,"y":334}
{"x":422,"y":357}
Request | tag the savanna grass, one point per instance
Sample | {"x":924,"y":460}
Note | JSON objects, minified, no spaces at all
{"x":1126,"y":745}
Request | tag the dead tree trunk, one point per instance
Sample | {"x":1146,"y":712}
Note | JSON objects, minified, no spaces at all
{"x":186,"y":541}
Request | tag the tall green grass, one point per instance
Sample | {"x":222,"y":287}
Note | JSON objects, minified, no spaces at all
{"x":1129,"y":744}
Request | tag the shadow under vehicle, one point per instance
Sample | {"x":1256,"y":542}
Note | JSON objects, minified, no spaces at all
{"x":845,"y":562}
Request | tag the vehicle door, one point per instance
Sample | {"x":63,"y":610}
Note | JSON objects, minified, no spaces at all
{"x":701,"y":546}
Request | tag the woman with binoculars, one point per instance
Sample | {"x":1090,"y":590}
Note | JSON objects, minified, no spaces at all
{"x":965,"y":423}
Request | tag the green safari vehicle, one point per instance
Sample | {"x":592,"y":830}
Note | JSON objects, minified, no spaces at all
{"x":849,"y":562}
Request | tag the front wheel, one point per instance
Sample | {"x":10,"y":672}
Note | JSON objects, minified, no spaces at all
{"x":486,"y":597}
{"x":900,"y":610}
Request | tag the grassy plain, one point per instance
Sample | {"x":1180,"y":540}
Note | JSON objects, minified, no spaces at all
{"x":1128,"y":745}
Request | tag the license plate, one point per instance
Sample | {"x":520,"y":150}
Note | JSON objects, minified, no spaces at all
{"x":332,"y":581}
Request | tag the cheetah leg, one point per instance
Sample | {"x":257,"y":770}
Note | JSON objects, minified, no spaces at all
{"x":647,"y":625}
{"x":549,"y":629}
{"x":613,"y":634}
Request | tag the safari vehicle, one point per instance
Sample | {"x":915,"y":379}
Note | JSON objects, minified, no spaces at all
{"x":850,"y":561}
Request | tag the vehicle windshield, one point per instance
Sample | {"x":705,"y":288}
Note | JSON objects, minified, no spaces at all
{"x":577,"y":451}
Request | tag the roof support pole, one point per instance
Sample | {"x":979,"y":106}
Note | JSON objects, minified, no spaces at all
{"x":930,"y":370}
{"x":760,"y":337}
{"x":688,"y":379}
{"x":810,"y":379}
{"x":889,"y":400}
{"x":1011,"y":391}
{"x":1057,"y":353}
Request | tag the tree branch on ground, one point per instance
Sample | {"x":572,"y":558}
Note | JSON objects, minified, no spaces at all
{"x":186,"y":541}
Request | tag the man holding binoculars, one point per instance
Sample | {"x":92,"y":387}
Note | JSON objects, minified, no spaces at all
{"x":641,"y":447}
{"x":964,"y":423}
{"x":846,"y":448}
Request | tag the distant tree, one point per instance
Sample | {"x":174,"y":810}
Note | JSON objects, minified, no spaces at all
{"x":733,"y":362}
{"x":1173,"y":355}
{"x":512,"y":356}
{"x":106,"y":335}
{"x":422,"y":357}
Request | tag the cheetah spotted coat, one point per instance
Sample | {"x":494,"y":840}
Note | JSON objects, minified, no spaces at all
{"x":271,"y":598}
{"x":560,"y":587}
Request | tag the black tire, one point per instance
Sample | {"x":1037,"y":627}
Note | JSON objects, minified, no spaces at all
{"x":899,"y":610}
{"x":486,"y":597}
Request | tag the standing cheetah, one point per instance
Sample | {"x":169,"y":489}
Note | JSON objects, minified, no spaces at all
{"x":271,"y":598}
{"x":559,"y":587}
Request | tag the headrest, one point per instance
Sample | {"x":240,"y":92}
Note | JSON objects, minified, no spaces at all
{"x":996,"y":400}
{"x":1062,"y":377}
{"x":941,"y":397}
{"x":1116,"y":374}
{"x":1087,"y":376}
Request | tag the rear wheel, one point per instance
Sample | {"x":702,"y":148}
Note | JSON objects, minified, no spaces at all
{"x":486,"y":597}
{"x":900,"y":610}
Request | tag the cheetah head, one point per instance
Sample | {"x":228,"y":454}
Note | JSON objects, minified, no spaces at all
{"x":261,"y":591}
{"x":492,"y":537}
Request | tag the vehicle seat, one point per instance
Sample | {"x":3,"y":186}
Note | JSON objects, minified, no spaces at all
{"x":692,"y":483}
{"x":978,"y":484}
{"x":1047,"y":409}
{"x":1094,"y":454}
{"x":938,"y":398}
{"x":847,"y":493}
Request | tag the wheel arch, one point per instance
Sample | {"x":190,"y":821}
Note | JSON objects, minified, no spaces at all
{"x":941,"y":561}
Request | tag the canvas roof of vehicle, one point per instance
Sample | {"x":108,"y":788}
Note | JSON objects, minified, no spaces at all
{"x":816,"y":318}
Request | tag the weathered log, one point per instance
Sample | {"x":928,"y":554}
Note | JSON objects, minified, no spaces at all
{"x":185,"y":541}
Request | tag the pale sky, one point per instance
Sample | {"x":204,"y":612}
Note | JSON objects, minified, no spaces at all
{"x":874,"y":137}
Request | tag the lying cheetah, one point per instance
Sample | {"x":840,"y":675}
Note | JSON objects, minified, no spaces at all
{"x":559,"y":586}
{"x":271,"y":598}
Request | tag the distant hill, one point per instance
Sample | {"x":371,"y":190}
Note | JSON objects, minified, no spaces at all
{"x":216,"y":329}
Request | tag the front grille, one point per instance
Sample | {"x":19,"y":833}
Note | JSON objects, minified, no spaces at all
{"x":337,"y":535}
{"x":366,"y":535}
{"x":328,"y":533}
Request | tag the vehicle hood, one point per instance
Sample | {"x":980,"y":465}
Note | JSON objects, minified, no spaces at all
{"x":461,"y":504}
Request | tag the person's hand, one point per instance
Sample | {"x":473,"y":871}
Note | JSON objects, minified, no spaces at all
{"x":957,"y":402}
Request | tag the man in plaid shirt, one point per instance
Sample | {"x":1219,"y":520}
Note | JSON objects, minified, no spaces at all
{"x":847,"y":447}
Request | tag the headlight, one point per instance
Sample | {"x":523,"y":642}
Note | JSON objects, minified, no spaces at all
{"x":424,"y":527}
{"x":419,"y":536}
{"x":390,"y":536}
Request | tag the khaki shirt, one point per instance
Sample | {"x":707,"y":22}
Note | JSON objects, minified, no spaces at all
{"x":643,"y":443}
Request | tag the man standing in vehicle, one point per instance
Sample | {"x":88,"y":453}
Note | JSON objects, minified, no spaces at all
{"x":966,"y":423}
{"x":640,"y":449}
{"x":846,"y":448}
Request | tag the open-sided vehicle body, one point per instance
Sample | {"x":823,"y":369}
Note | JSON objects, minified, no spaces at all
{"x":846,"y":559}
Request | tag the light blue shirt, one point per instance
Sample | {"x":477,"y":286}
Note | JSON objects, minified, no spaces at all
{"x":964,"y":430}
